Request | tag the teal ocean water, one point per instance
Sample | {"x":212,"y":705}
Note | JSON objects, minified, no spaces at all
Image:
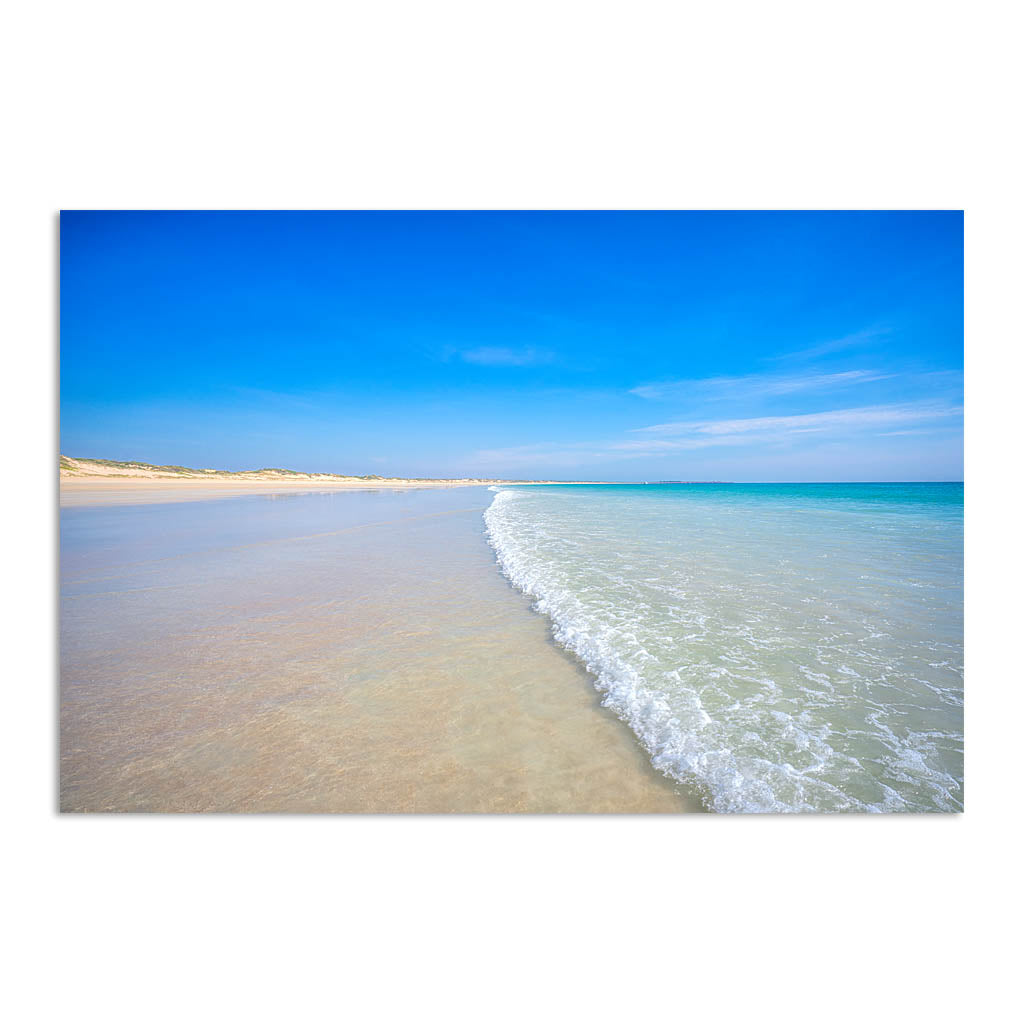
{"x":778,"y":647}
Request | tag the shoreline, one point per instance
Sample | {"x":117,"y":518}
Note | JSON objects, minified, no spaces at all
{"x":83,"y":482}
{"x":126,"y":490}
{"x":130,"y":490}
{"x":327,"y":654}
{"x":102,"y":482}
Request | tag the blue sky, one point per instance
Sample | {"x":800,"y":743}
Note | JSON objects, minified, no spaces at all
{"x":618,"y":346}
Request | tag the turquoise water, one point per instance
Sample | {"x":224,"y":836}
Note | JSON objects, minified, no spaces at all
{"x":778,"y":647}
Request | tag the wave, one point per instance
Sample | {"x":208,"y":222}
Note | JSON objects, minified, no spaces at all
{"x":740,"y":759}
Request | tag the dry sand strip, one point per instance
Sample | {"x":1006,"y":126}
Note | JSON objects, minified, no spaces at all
{"x":102,"y":482}
{"x":142,"y":491}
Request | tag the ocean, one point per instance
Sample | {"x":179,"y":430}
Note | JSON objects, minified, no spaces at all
{"x":775,"y":647}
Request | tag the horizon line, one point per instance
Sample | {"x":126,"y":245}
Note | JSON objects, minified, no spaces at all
{"x":499,"y":479}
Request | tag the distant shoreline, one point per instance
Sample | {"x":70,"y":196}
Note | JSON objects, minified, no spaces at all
{"x":108,"y":469}
{"x":106,"y":482}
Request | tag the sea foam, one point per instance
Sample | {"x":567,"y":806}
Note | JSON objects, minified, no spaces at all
{"x":761,"y":651}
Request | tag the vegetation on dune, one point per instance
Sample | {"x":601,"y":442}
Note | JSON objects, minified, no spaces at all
{"x":80,"y":467}
{"x":67,"y":463}
{"x":71,"y":466}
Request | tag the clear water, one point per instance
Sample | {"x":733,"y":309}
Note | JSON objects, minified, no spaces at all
{"x":779,"y":647}
{"x":321,"y":652}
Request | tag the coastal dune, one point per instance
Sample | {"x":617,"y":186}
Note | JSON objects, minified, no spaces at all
{"x":106,"y":482}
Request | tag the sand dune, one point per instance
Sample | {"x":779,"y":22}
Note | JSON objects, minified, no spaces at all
{"x":104,"y":481}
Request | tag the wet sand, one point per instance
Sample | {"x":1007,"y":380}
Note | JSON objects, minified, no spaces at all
{"x":127,"y":490}
{"x":322,"y":652}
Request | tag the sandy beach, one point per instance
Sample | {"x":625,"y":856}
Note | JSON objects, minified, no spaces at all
{"x":314,"y":652}
{"x":161,"y":490}
{"x":103,"y":482}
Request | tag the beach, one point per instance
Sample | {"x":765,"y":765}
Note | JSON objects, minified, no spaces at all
{"x":105,"y":482}
{"x":573,"y":648}
{"x":346,"y":649}
{"x":164,"y":490}
{"x":101,"y":481}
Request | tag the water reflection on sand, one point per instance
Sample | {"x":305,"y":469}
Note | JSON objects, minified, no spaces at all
{"x":321,"y":652}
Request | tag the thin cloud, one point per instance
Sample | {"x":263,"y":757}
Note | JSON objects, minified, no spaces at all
{"x":546,"y":453}
{"x":497,"y":356}
{"x":864,"y":416}
{"x":838,"y":344}
{"x":762,"y":431}
{"x":754,"y":385}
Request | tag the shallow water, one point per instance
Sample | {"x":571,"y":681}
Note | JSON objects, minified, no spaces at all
{"x":322,"y":652}
{"x":778,"y":647}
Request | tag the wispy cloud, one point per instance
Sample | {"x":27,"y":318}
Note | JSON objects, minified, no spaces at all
{"x":863,"y":416}
{"x":847,"y":341}
{"x":545,"y":453}
{"x":665,"y":439}
{"x":754,"y":385}
{"x":499,"y":356}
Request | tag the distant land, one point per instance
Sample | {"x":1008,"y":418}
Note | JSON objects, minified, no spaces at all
{"x":106,"y":481}
{"x":71,"y":468}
